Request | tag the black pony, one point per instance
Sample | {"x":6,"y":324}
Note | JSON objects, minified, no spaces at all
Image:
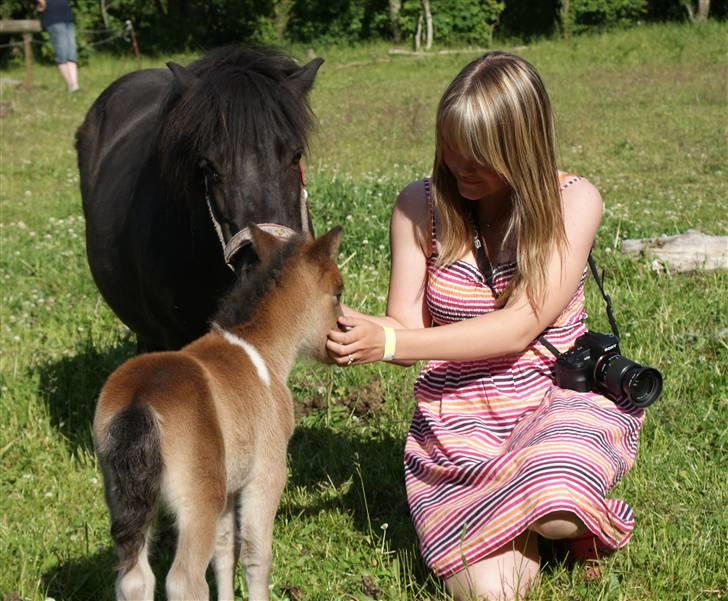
{"x":175,"y":165}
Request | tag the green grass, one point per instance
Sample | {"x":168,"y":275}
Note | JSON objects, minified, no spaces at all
{"x":642,"y":113}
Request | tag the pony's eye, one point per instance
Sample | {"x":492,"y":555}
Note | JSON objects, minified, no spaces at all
{"x":338,"y":296}
{"x":296,"y":158}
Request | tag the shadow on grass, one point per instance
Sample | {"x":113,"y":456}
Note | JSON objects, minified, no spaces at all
{"x":82,"y":579}
{"x":376,"y":496}
{"x":92,"y":577}
{"x":71,"y":385}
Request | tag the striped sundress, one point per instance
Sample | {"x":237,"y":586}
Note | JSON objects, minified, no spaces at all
{"x":494,"y":445}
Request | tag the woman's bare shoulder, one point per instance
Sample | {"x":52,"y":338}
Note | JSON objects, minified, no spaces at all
{"x":411,"y":203}
{"x":582,"y":198}
{"x":411,"y":215}
{"x":412,"y":196}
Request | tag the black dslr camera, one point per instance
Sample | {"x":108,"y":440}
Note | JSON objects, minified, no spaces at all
{"x":595,"y":363}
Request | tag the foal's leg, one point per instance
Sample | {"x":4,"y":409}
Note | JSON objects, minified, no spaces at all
{"x":197,"y":507}
{"x":136,"y":582}
{"x":258,"y":506}
{"x":225,"y":556}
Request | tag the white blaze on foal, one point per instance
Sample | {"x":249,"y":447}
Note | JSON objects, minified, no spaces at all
{"x":253,"y":353}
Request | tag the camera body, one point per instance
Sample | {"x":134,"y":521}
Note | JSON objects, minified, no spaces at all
{"x":595,"y":363}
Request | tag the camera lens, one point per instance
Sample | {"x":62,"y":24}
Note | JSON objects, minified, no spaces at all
{"x":623,"y":378}
{"x":642,"y":385}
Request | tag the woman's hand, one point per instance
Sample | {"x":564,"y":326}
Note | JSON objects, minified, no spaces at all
{"x":359,"y":341}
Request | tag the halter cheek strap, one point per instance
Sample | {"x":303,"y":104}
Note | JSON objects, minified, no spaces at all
{"x":244,"y":236}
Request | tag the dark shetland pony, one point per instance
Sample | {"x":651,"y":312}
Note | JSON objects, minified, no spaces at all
{"x":175,"y":164}
{"x":205,"y":429}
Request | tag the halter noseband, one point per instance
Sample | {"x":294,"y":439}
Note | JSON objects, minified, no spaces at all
{"x":244,"y":237}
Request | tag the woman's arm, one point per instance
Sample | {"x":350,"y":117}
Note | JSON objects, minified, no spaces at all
{"x":508,"y":330}
{"x":409,"y":236}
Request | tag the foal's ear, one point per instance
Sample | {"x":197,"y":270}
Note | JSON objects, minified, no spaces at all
{"x":264,"y":243}
{"x":301,"y":82}
{"x":182,"y":78}
{"x":328,"y":244}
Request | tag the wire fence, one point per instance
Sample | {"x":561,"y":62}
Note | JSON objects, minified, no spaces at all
{"x":125,"y":33}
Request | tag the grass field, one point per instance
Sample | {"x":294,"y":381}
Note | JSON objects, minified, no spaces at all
{"x":641,"y":113}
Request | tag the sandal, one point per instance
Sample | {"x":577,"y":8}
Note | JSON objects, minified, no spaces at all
{"x":587,"y":550}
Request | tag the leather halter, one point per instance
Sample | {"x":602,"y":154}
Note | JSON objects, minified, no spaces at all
{"x":244,"y":237}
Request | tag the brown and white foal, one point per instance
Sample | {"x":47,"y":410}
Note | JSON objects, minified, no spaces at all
{"x":205,"y":429}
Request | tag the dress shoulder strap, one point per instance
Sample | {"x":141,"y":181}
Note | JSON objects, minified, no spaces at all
{"x":431,"y":212}
{"x":566,"y":180}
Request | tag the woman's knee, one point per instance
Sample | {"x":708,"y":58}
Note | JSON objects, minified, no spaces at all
{"x":559,"y":524}
{"x":506,"y":574}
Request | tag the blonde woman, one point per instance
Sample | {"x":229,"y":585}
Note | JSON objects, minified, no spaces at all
{"x":497,"y":455}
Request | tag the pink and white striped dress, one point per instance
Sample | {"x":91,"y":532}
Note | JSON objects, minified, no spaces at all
{"x":494,"y":445}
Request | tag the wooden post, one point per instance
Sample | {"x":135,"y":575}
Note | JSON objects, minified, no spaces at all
{"x":28,"y":60}
{"x":25,"y":27}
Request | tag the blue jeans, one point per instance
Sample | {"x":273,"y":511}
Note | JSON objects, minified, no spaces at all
{"x":63,"y":40}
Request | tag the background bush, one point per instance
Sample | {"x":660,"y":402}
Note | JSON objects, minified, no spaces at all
{"x":164,"y":26}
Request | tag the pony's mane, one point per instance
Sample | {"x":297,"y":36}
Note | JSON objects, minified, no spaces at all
{"x":240,"y":305}
{"x":239,"y":101}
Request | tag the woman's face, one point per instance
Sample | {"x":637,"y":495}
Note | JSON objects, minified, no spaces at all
{"x":474,"y":181}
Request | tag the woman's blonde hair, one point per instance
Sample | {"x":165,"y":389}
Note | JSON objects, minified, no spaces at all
{"x":497,"y":113}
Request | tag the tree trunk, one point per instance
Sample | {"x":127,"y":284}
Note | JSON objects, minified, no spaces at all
{"x":428,"y":23}
{"x":703,"y":10}
{"x":282,"y":14}
{"x":418,"y":33}
{"x":104,"y":14}
{"x":565,"y":17}
{"x":394,"y":7}
{"x":161,"y":9}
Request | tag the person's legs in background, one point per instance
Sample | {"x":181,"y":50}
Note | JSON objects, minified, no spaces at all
{"x":63,"y":40}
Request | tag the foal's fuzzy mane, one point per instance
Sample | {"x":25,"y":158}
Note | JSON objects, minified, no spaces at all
{"x":240,"y":305}
{"x":237,"y":102}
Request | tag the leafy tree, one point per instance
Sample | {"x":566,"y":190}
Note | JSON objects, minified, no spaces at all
{"x":455,"y":21}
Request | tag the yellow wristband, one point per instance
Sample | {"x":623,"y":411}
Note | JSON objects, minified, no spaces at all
{"x":390,"y":343}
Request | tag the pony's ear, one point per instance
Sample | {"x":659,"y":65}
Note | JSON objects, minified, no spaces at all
{"x":301,"y":82}
{"x":182,"y":77}
{"x":263,"y":243}
{"x":328,"y":244}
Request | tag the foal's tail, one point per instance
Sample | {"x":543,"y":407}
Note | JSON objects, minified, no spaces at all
{"x":132,"y":465}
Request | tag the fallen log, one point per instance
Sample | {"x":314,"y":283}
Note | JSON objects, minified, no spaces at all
{"x":690,"y":251}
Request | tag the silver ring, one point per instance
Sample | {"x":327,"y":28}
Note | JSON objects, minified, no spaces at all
{"x":349,"y":360}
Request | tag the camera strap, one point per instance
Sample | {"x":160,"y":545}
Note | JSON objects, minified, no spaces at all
{"x":484,"y":266}
{"x":486,"y":271}
{"x":607,"y":300}
{"x":599,"y":279}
